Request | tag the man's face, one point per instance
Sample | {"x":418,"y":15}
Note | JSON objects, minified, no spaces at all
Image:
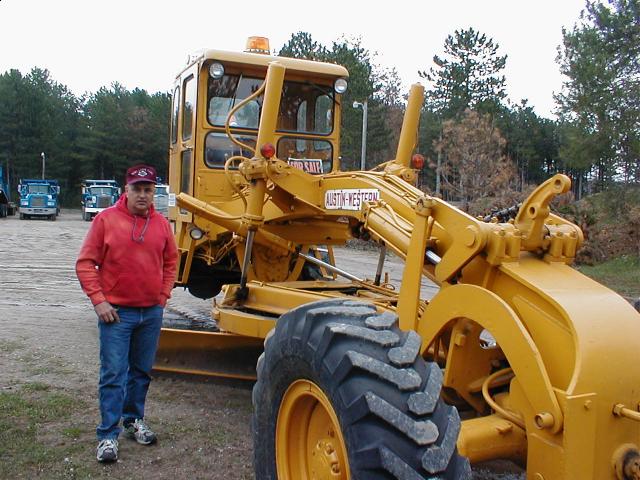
{"x":140,"y":197}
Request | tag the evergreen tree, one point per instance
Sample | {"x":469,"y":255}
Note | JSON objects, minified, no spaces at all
{"x":38,"y":115}
{"x":600,"y":101}
{"x":468,"y":75}
{"x":532,"y":143}
{"x":302,"y":45}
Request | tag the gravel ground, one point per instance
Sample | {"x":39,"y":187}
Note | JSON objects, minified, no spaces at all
{"x":48,"y":337}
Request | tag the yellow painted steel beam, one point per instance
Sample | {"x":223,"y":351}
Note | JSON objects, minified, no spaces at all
{"x":216,"y":354}
{"x":233,"y":224}
{"x":409,"y":132}
{"x":245,"y":323}
{"x":409,"y":298}
{"x":275,"y":299}
{"x":491,"y":437}
{"x":494,"y":314}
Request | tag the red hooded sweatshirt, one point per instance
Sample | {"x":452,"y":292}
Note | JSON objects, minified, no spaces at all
{"x":117,"y":265}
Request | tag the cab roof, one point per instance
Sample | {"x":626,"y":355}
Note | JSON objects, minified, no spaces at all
{"x":38,"y":181}
{"x":99,"y":182}
{"x":291,"y":64}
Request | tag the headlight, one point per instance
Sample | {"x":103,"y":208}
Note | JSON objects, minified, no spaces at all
{"x":51,"y":204}
{"x":340,"y":85}
{"x":24,"y":203}
{"x":196,"y":233}
{"x":216,"y":70}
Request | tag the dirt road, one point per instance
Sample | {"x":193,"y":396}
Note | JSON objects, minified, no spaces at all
{"x":49,"y":368}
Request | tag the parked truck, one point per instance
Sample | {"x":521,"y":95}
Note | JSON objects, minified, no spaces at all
{"x":161,"y":199}
{"x":98,"y":195}
{"x":7,"y":207}
{"x":39,"y":198}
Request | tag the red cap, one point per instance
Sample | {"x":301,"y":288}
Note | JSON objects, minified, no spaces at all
{"x":141,"y":173}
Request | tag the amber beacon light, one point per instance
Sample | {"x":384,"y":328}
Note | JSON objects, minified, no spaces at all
{"x":257,"y":45}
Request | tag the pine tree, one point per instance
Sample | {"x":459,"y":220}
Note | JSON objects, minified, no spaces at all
{"x":468,"y":75}
{"x":600,"y":101}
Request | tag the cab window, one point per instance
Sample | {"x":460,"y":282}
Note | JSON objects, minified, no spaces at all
{"x":185,"y":175}
{"x":311,"y":156}
{"x":188,"y":107}
{"x":299,"y":108}
{"x":304,"y":106}
{"x":174,"y":115}
{"x":323,"y":114}
{"x":225,"y":93}
{"x":302,"y":125}
{"x":100,"y":191}
{"x":219,"y":148}
{"x":38,"y":189}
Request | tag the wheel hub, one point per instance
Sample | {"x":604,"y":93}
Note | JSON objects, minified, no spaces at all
{"x":309,"y":442}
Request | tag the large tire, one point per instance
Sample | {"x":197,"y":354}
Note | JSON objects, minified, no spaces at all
{"x":368,"y":379}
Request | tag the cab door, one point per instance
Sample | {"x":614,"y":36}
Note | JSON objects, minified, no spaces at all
{"x":183,"y":140}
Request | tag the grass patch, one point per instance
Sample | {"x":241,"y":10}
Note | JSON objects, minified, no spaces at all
{"x":10,"y":346}
{"x":72,"y":432}
{"x":27,"y":417}
{"x":37,"y":363}
{"x":35,"y":387}
{"x":621,"y":274}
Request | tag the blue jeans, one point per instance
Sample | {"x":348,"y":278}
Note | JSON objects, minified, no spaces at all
{"x":127,"y":351}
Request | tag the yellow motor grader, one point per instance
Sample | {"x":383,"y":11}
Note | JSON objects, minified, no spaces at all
{"x":517,"y":356}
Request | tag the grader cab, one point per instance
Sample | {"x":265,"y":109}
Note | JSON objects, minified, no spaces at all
{"x":518,"y":355}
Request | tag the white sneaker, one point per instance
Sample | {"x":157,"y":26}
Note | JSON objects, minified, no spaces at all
{"x":107,"y":450}
{"x":140,"y":432}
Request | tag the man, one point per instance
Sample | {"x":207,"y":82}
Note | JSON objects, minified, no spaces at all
{"x":127,"y":267}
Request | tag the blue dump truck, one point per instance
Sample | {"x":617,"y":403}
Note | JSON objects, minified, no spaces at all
{"x":7,"y":207}
{"x":39,"y":198}
{"x":98,"y":195}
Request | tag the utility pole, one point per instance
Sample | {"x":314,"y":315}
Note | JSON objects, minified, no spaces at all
{"x":43,"y":162}
{"x":363,"y":152}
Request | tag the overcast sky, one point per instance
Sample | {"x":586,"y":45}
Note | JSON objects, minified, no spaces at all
{"x":87,"y":44}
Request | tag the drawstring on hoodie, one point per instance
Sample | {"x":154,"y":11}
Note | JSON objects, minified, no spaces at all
{"x":140,"y":239}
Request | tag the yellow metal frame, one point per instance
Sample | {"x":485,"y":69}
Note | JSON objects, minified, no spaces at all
{"x":571,"y":406}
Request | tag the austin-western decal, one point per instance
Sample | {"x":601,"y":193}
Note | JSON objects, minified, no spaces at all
{"x":350,"y":198}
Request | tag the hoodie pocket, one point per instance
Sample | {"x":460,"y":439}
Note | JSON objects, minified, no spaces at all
{"x":138,"y":288}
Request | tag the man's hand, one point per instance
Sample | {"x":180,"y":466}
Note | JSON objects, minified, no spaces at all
{"x":163,"y":301}
{"x":106,"y":313}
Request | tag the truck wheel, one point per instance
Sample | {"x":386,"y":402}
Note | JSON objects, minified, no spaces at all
{"x":22,"y":216}
{"x":86,"y":216}
{"x":3,"y":210}
{"x":342,"y":393}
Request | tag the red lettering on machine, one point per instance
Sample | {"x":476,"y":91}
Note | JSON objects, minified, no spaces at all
{"x":309,"y":165}
{"x":349,"y":199}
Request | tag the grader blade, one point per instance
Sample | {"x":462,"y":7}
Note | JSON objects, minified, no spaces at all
{"x":214,"y":354}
